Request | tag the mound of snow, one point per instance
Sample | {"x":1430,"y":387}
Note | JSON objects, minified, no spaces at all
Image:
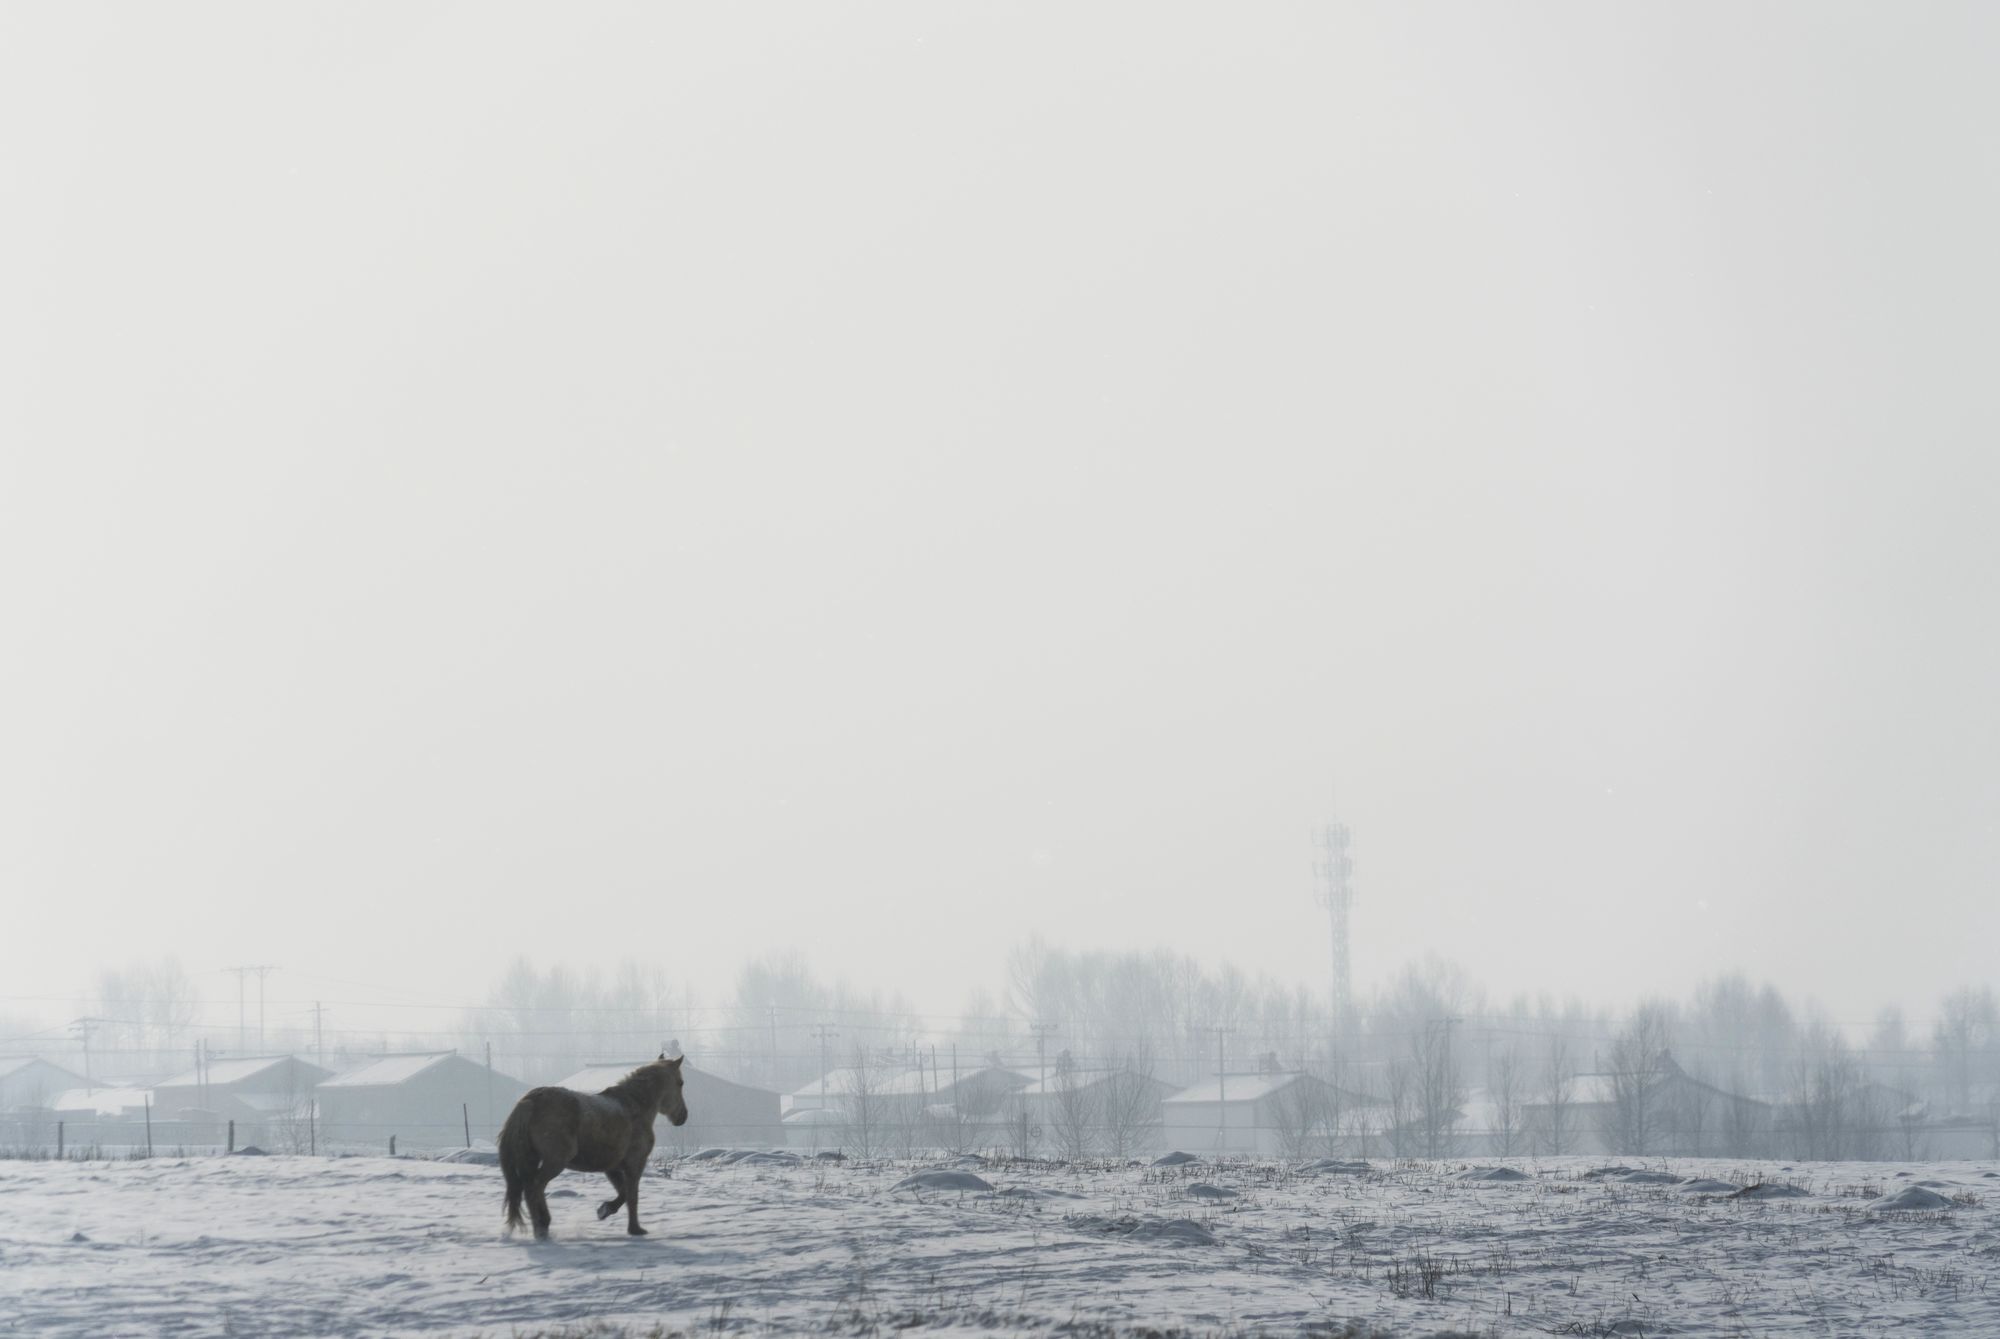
{"x":1650,"y":1179}
{"x":251,"y":1151}
{"x":1493,"y":1174}
{"x":480,"y":1157}
{"x":1911,"y":1199}
{"x":1172,"y":1231}
{"x":1174,"y":1159}
{"x":1769,"y":1190}
{"x":757,"y":1159}
{"x":1202,"y":1190}
{"x":942,"y":1180}
{"x":708,"y":1153}
{"x":1708,"y":1185}
{"x":1335,"y":1167}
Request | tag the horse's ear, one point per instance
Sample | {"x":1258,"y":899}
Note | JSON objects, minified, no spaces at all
{"x":663,"y":1055}
{"x":676,"y":1061}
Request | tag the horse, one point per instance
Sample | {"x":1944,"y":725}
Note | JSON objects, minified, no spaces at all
{"x":553,"y":1129}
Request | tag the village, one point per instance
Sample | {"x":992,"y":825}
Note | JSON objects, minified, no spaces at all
{"x":442,"y":1103}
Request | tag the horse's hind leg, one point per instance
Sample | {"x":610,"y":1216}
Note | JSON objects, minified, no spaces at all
{"x":538,"y":1204}
{"x":611,"y":1206}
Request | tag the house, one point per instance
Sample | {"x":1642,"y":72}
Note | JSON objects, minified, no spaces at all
{"x":259,"y":1092}
{"x":425,"y":1099}
{"x":1667,"y":1112}
{"x":1273,"y":1113}
{"x":1964,"y":1129}
{"x":875,"y":1108}
{"x":720,"y":1111}
{"x":102,"y":1103}
{"x":1081,"y":1111}
{"x":30,"y":1083}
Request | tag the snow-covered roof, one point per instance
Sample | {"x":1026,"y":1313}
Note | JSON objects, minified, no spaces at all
{"x":390,"y":1069}
{"x":1238,"y":1087}
{"x":220,"y":1073}
{"x":14,"y":1064}
{"x":814,"y":1116}
{"x":1087,"y":1078}
{"x":101,"y":1101}
{"x":595,"y":1078}
{"x":923,"y":1081}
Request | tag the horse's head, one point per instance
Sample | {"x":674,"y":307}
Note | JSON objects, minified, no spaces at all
{"x":672,"y":1105}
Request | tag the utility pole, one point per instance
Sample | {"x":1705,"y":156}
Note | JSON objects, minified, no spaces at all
{"x":1041,"y":1031}
{"x":1221,"y":1088}
{"x":319,"y":1037}
{"x":262,"y":972}
{"x":774,"y":1044}
{"x":242,"y":1028}
{"x":242,"y":1033}
{"x":83,"y":1027}
{"x":824,"y":1032}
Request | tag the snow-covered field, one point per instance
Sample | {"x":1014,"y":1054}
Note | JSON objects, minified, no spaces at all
{"x":368,"y":1246}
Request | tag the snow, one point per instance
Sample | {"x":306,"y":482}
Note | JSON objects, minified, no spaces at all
{"x":222,"y":1073}
{"x":1234,"y":1088}
{"x":596,"y":1078}
{"x":100,"y":1101}
{"x":369,"y":1245}
{"x":390,"y":1069}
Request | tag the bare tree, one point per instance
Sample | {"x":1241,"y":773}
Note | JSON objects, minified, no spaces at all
{"x":1299,"y":1113}
{"x":1071,"y":1111}
{"x":1557,"y":1134}
{"x":1690,"y":1113}
{"x":1825,"y":1094}
{"x":1404,"y":1132}
{"x":1440,"y":1087}
{"x":1639,"y":1060}
{"x":290,"y":1126}
{"x":1507,"y":1088}
{"x":1130,"y":1106}
{"x":862,"y":1104}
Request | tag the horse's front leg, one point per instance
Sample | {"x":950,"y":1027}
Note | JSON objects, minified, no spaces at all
{"x":631,"y":1194}
{"x":611,"y":1206}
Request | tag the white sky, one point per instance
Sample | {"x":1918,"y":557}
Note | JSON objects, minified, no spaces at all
{"x":673,"y":481}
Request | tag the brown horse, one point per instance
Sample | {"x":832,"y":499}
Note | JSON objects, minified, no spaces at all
{"x":551,"y":1129}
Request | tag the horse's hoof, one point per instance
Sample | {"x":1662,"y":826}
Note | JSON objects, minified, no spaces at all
{"x":635,"y":1231}
{"x":606,"y":1209}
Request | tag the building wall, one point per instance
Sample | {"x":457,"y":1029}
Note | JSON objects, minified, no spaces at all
{"x":35,"y":1084}
{"x":429,"y":1110}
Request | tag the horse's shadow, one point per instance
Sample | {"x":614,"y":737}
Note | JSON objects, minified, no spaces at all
{"x":608,"y":1252}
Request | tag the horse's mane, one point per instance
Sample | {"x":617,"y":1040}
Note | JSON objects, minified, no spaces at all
{"x":643,"y":1083}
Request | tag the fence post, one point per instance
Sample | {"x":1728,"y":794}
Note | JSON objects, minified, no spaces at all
{"x":149,"y":1125}
{"x":59,"y":1141}
{"x":232,"y":1134}
{"x":465,"y":1113}
{"x":392,"y":1145}
{"x":312,"y":1127}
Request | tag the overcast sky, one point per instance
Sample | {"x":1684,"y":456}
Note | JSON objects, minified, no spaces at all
{"x":593,"y":481}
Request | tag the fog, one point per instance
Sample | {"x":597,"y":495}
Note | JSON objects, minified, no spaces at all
{"x":682,"y":486}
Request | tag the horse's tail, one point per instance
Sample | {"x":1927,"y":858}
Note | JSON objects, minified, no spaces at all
{"x":518,"y":1160}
